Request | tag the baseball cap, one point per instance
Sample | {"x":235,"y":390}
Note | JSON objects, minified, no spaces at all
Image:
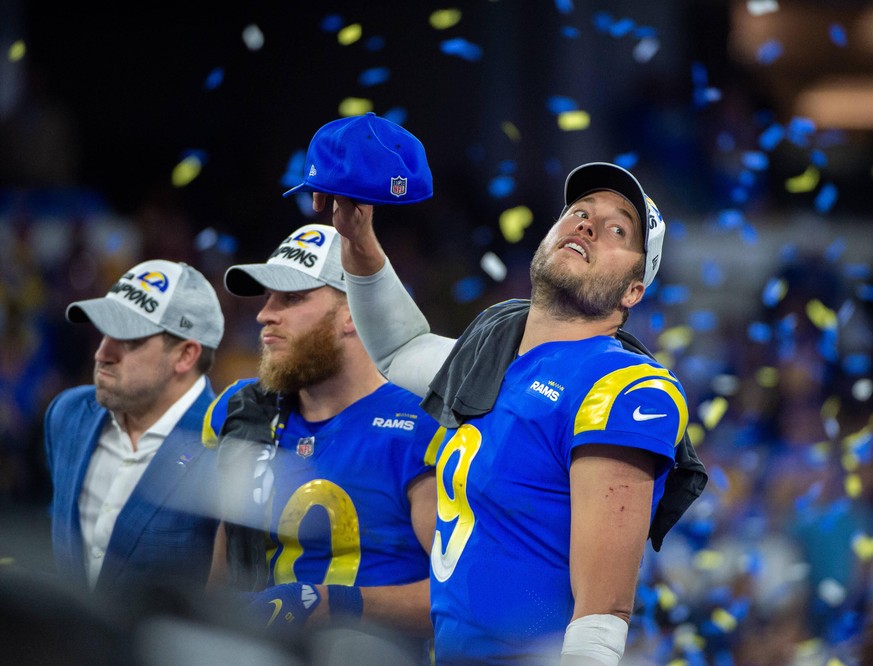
{"x":307,"y":259}
{"x":596,"y":176}
{"x":369,"y":159}
{"x":153,"y":297}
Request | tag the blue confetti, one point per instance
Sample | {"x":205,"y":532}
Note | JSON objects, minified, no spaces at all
{"x":801,"y":125}
{"x":818,"y":158}
{"x":559,"y":104}
{"x":226,"y":244}
{"x":304,"y":203}
{"x":856,"y":271}
{"x":553,"y":167}
{"x":838,"y":35}
{"x":645,"y":32}
{"x":739,"y":195}
{"x":826,"y":198}
{"x":836,"y":249}
{"x":703,"y":321}
{"x":827,"y":345}
{"x":788,"y":253}
{"x":656,"y":320}
{"x":726,"y":141}
{"x":831,"y":137}
{"x":773,"y":292}
{"x":678,"y":230}
{"x":759,"y":332}
{"x":621,"y":27}
{"x":627,"y":160}
{"x":374,"y":43}
{"x":214,"y":79}
{"x":570,"y":32}
{"x":747,"y":178}
{"x":374,"y":76}
{"x":501,"y":186}
{"x":805,"y":501}
{"x":462,"y":48}
{"x":468,"y":289}
{"x":771,"y":137}
{"x":675,"y":294}
{"x":602,"y":21}
{"x":396,"y":115}
{"x":332,"y":23}
{"x":205,"y":239}
{"x":294,"y":170}
{"x":730,"y":219}
{"x":755,"y":160}
{"x":865,"y":292}
{"x":699,"y":76}
{"x":769,"y":52}
{"x":749,"y":234}
{"x":719,"y":478}
{"x":506,"y":167}
{"x":564,"y":6}
{"x":712,"y":274}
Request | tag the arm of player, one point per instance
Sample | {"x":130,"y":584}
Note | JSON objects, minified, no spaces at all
{"x":611,"y":502}
{"x":392,"y":328}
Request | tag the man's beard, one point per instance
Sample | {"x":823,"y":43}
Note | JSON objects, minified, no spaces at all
{"x":568,"y":296}
{"x":311,"y":359}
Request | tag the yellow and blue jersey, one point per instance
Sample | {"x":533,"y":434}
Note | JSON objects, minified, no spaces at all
{"x":338,"y":507}
{"x":500,"y":575}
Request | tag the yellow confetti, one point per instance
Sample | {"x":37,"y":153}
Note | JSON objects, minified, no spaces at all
{"x":708,"y":560}
{"x":6,"y":561}
{"x":808,"y":648}
{"x":350,"y":34}
{"x":510,"y":130}
{"x":805,"y":182}
{"x":850,"y":461}
{"x":696,"y":434}
{"x":573,"y":120}
{"x":767,"y":376}
{"x":17,"y":51}
{"x":835,"y":661}
{"x":354,"y":106}
{"x":678,"y":662}
{"x":667,"y":598}
{"x":724,"y":620}
{"x":665,"y":358}
{"x":853,"y":486}
{"x":862,"y":546}
{"x":442,"y":19}
{"x":712,"y":411}
{"x":186,"y":171}
{"x":676,"y":338}
{"x":514,"y":221}
{"x":821,"y":315}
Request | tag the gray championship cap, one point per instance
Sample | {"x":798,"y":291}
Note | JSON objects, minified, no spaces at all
{"x":606,"y":176}
{"x":307,"y":259}
{"x":153,"y":297}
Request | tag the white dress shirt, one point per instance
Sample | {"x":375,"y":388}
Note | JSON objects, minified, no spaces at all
{"x":113,"y":473}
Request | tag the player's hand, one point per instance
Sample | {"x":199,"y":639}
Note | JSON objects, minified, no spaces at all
{"x":281,"y":607}
{"x":353,"y":219}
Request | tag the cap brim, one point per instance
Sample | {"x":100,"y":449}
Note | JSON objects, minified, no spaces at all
{"x":254,"y":279}
{"x":604,"y":176}
{"x":306,"y":187}
{"x":112,"y":318}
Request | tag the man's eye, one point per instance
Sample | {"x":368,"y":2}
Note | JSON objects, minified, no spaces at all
{"x":618,"y":230}
{"x":581,"y":214}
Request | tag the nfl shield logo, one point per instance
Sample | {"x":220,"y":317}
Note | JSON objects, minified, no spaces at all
{"x":398,"y":186}
{"x":305,"y":446}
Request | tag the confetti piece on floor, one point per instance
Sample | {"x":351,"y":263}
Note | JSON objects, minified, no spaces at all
{"x":186,"y":171}
{"x":761,"y":7}
{"x":514,"y":221}
{"x":510,"y":130}
{"x":350,"y":34}
{"x":571,"y":121}
{"x":374,"y":76}
{"x":354,"y":106}
{"x":17,"y":50}
{"x":493,"y":266}
{"x":805,"y":182}
{"x":443,"y":19}
{"x":462,"y":48}
{"x":253,"y":37}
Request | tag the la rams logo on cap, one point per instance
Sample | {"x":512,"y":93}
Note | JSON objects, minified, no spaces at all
{"x":154,"y":280}
{"x":308,"y":238}
{"x":654,"y":214}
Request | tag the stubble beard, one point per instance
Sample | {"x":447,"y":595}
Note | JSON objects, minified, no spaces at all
{"x":123,"y":400}
{"x":567,"y":296}
{"x":314,"y":357}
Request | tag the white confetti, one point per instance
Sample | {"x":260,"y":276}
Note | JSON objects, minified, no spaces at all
{"x":253,"y":37}
{"x":492,"y":265}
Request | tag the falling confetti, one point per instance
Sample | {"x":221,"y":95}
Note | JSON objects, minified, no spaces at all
{"x":253,"y":37}
{"x":646,"y":49}
{"x":514,"y":221}
{"x":215,"y":79}
{"x":838,"y":35}
{"x":350,"y":34}
{"x":805,"y":182}
{"x":442,"y":19}
{"x":570,"y":121}
{"x":374,"y":76}
{"x":511,"y":131}
{"x":826,"y":198}
{"x":462,"y":48}
{"x":354,"y":106}
{"x":17,"y":51}
{"x":493,"y":266}
{"x":769,"y":52}
{"x":501,"y":186}
{"x":186,"y":170}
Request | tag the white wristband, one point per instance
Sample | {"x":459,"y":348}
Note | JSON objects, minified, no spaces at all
{"x":594,"y":639}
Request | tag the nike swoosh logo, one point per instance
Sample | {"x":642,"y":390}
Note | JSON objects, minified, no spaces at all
{"x":277,"y":603}
{"x":639,"y":416}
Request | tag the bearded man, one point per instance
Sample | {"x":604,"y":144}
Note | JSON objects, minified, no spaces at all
{"x":329,"y":492}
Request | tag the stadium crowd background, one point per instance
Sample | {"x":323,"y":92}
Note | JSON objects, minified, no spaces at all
{"x":171,"y":132}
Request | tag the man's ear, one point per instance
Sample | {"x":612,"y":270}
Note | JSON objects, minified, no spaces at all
{"x":188,"y":353}
{"x":633,"y":294}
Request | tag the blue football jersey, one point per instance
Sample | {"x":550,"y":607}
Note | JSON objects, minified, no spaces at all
{"x":500,"y":578}
{"x":338,"y":505}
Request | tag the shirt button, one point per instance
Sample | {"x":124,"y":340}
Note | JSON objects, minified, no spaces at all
{"x":96,"y":553}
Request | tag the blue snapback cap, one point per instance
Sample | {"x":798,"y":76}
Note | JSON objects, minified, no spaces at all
{"x":369,"y":159}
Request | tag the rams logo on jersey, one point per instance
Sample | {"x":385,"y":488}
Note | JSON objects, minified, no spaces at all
{"x":394,"y":423}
